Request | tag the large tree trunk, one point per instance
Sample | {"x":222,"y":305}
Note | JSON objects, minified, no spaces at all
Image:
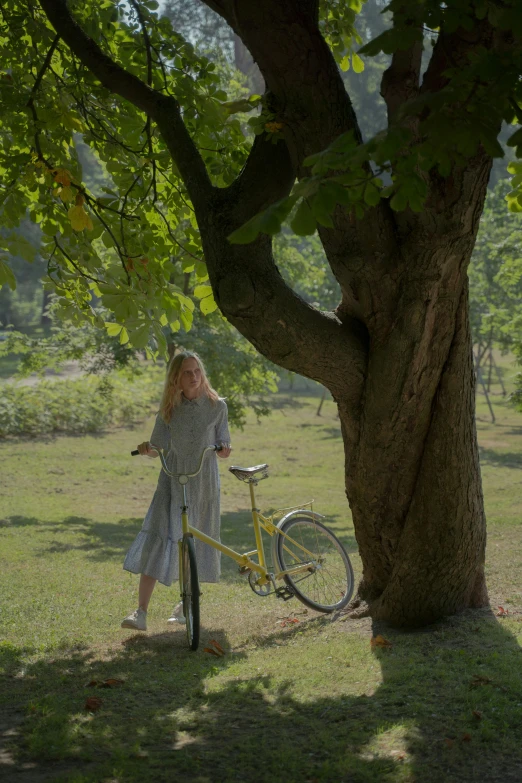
{"x":414,"y":487}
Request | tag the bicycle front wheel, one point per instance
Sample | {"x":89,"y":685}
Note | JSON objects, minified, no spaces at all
{"x":190,"y":591}
{"x":321,"y":575}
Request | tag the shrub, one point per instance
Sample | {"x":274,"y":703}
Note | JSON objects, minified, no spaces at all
{"x":87,"y":404}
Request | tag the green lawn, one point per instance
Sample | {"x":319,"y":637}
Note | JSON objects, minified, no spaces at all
{"x":305,"y":701}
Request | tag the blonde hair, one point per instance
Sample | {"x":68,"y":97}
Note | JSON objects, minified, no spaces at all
{"x":172,"y":392}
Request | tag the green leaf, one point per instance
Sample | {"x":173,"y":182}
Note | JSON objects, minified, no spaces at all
{"x":201,"y":291}
{"x":113,"y":330}
{"x":186,"y":317}
{"x":372,"y":195}
{"x":6,"y":276}
{"x":140,"y":337}
{"x":515,"y":140}
{"x":304,"y":223}
{"x":357,"y":63}
{"x":267,"y":222}
{"x":399,"y":201}
{"x":208,"y":305}
{"x":242,"y":104}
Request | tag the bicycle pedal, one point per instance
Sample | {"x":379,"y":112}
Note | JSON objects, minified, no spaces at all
{"x":285,"y":593}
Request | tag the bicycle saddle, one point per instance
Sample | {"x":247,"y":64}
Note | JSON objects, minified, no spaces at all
{"x":244,"y":474}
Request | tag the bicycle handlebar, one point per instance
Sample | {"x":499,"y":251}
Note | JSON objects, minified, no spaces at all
{"x":135,"y":452}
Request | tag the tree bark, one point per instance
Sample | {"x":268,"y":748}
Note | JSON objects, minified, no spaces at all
{"x":418,"y":510}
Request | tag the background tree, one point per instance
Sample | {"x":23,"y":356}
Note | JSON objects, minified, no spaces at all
{"x":396,"y":354}
{"x":496,"y":277}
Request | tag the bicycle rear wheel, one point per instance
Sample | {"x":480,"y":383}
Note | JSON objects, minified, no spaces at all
{"x":190,"y":591}
{"x":324,"y":579}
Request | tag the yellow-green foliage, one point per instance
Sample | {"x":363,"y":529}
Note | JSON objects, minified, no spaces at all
{"x":87,"y":404}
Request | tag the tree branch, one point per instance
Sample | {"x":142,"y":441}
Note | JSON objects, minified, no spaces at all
{"x":163,"y":109}
{"x":400,"y":82}
{"x":299,"y":71}
{"x":267,"y":176}
{"x":31,"y":104}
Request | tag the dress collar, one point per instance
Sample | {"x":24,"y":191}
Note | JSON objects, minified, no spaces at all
{"x":195,"y":401}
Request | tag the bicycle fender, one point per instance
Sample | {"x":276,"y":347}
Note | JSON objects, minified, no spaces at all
{"x":298,"y":512}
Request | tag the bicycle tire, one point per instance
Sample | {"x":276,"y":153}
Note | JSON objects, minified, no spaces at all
{"x":330,"y":575}
{"x":190,"y":591}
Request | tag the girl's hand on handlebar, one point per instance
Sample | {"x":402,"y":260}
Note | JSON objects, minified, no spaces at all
{"x":224,"y":451}
{"x":146,"y":451}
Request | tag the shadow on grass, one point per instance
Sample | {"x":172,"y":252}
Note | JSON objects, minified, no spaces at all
{"x":168,"y":720}
{"x":102,"y":541}
{"x":500,"y":459}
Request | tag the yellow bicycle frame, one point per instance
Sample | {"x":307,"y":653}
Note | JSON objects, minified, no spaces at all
{"x":244,"y":560}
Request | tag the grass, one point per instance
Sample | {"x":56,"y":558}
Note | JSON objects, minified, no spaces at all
{"x":302,"y":701}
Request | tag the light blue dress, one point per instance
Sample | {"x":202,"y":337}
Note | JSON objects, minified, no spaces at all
{"x":194,"y":424}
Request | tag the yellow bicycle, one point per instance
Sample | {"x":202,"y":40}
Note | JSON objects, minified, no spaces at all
{"x":309,"y":561}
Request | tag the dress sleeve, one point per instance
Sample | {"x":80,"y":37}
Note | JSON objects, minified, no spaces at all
{"x":222,"y":431}
{"x":160,"y":434}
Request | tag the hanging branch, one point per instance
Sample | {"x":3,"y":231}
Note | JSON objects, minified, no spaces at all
{"x":36,"y":86}
{"x":176,"y":241}
{"x":73,"y":263}
{"x":147,"y":128}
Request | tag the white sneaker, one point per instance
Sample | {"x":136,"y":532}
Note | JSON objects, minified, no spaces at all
{"x":136,"y":620}
{"x":177,"y":614}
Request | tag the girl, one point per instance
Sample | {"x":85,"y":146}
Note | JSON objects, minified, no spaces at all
{"x":191,"y":416}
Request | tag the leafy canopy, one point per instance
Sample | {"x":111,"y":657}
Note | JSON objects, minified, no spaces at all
{"x":438,"y":130}
{"x":126,"y":240}
{"x":119,"y":243}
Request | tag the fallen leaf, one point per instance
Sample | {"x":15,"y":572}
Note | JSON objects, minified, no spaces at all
{"x":212,"y":652}
{"x":289,"y":621}
{"x":466,"y":737}
{"x":477,"y":714}
{"x":112,"y":682}
{"x":380,"y":641}
{"x":217,"y":646}
{"x":502,"y":612}
{"x":93,"y":704}
{"x":480,"y":679}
